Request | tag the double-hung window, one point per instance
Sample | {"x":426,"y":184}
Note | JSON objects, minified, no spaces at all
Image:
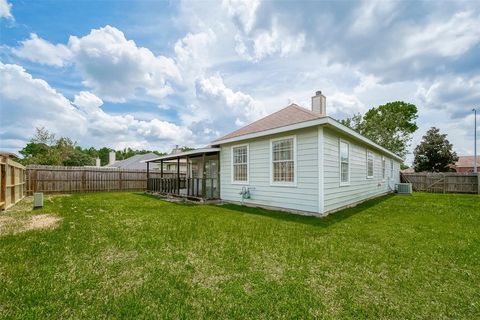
{"x":344,"y":163}
{"x":384,"y":168}
{"x":391,"y":168}
{"x":283,"y":154}
{"x":369,"y":164}
{"x":240,"y":164}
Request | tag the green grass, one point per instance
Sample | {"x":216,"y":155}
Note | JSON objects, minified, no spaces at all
{"x":127,"y":255}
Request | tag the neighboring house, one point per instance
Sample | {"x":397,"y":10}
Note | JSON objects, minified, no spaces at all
{"x":139,"y":162}
{"x":408,"y":170}
{"x":134,"y":162}
{"x":295,"y":159}
{"x":466,"y":164}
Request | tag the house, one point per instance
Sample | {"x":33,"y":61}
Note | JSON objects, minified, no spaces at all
{"x":295,"y":159}
{"x":139,"y":162}
{"x":134,"y":162}
{"x":466,"y":164}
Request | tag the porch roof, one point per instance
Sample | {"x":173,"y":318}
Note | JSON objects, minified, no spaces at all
{"x":190,"y":153}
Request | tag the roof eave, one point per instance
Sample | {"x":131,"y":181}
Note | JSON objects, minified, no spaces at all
{"x":183,"y":154}
{"x":306,"y":124}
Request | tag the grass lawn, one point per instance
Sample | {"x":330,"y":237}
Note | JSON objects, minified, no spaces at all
{"x":128,"y":255}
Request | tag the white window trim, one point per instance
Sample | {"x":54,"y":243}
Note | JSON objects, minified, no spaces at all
{"x":392,"y":168}
{"x":233,"y":181}
{"x":384,"y":168}
{"x":343,"y":183}
{"x":373,"y":164}
{"x":284,"y":184}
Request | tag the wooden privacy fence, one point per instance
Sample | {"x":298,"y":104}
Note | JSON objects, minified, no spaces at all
{"x":451,"y":182}
{"x":12,"y":182}
{"x":58,"y":179}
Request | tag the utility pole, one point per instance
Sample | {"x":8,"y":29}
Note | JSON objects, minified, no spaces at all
{"x":475,"y":142}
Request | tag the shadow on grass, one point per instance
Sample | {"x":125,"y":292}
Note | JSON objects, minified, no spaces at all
{"x":180,"y":201}
{"x":327,"y":221}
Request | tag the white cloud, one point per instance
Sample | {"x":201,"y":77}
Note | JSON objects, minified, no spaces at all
{"x":41,"y":51}
{"x":372,"y":14}
{"x":231,"y":103}
{"x":193,"y":47}
{"x":264,"y":43}
{"x":455,"y":94}
{"x":104,"y":124}
{"x":445,"y":38}
{"x":28,"y":103}
{"x":193,"y":56}
{"x":254,"y":43}
{"x":116,"y":68}
{"x":6,"y":10}
{"x":242,"y":11}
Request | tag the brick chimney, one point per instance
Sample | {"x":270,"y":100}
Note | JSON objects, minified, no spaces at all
{"x":319,"y":103}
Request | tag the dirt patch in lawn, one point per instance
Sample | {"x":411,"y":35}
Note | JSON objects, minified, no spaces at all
{"x":16,"y":224}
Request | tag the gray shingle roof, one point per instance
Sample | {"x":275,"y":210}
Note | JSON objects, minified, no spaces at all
{"x":134,"y":162}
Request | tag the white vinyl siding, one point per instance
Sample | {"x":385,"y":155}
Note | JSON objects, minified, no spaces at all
{"x":303,"y":196}
{"x":283,"y":155}
{"x":306,"y":194}
{"x":344,"y":151}
{"x":359,"y":188}
{"x":240,"y":164}
{"x":384,"y":168}
{"x":369,"y":164}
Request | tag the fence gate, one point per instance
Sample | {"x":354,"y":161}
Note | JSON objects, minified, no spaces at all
{"x":448,"y":182}
{"x":12,"y":182}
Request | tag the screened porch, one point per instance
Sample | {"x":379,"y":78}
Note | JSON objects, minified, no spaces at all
{"x":196,"y":174}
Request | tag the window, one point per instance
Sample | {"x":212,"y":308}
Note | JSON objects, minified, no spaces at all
{"x":283,"y":160}
{"x":391,"y":168}
{"x":344,"y":163}
{"x":384,"y":169}
{"x":240,"y":164}
{"x":369,"y":164}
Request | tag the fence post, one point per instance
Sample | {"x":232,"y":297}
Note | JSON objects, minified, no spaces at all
{"x":34,"y":181}
{"x":120,"y":180}
{"x":478,"y":183}
{"x":444,"y":182}
{"x":204,"y":175}
{"x":84,"y":180}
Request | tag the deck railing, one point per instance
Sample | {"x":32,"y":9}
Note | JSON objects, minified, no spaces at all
{"x":205,"y":188}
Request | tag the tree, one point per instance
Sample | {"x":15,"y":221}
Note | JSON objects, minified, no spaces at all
{"x":434,"y":153}
{"x":353,"y":122}
{"x":44,"y":149}
{"x":186,"y":148}
{"x":39,"y":149}
{"x":390,"y":125}
{"x":78,"y":158}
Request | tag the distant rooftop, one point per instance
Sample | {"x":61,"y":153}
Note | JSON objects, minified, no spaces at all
{"x":467,"y":162}
{"x":134,"y":162}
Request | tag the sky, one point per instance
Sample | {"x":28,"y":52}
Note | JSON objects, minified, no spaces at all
{"x":154,"y":74}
